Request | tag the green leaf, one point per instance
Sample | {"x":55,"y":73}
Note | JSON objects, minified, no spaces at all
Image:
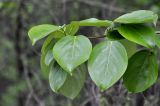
{"x":45,"y":64}
{"x":139,"y":34}
{"x":46,"y":56}
{"x":140,"y":16}
{"x":107,"y":63}
{"x":114,"y":35}
{"x":74,"y":83}
{"x":57,"y":77}
{"x":58,"y":34}
{"x":48,"y":43}
{"x":71,"y":29}
{"x":40,"y":31}
{"x":44,"y":67}
{"x":130,"y":47}
{"x":142,"y":71}
{"x":95,"y":22}
{"x":71,"y":51}
{"x":158,"y":40}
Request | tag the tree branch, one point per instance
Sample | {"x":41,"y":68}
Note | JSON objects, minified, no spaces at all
{"x":102,"y":5}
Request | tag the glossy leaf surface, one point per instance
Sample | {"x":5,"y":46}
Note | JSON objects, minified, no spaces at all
{"x":95,"y":22}
{"x":140,"y":16}
{"x":142,"y":71}
{"x":46,"y":56}
{"x":130,"y":47}
{"x":40,"y":31}
{"x":57,"y":77}
{"x":158,"y":40}
{"x":71,"y":51}
{"x":139,"y":34}
{"x":107,"y":63}
{"x":74,"y":83}
{"x":71,"y":29}
{"x":114,"y":35}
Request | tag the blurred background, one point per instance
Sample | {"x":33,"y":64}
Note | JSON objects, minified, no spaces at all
{"x":24,"y":85}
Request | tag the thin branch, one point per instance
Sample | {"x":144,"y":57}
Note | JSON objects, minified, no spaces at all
{"x":28,"y":81}
{"x":87,"y":100}
{"x":102,"y":5}
{"x":28,"y":98}
{"x":99,"y":5}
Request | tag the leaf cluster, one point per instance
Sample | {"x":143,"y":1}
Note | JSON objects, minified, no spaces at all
{"x":64,"y":54}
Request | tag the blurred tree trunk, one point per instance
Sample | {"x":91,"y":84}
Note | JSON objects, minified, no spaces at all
{"x":18,"y":47}
{"x":18,"y":38}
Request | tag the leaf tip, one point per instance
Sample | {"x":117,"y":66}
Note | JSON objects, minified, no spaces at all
{"x":33,"y":42}
{"x":102,"y":90}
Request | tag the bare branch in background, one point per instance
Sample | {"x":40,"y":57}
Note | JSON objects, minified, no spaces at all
{"x":102,"y":5}
{"x":29,"y":84}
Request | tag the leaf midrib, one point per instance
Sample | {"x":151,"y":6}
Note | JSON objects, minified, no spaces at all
{"x":107,"y":63}
{"x":73,"y":47}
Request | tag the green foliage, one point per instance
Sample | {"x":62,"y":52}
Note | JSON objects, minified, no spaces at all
{"x":8,"y":4}
{"x":40,"y":31}
{"x":107,"y":63}
{"x":114,"y":35}
{"x":57,"y":77}
{"x":94,"y":22}
{"x":71,"y":51}
{"x":138,"y":33}
{"x":73,"y":84}
{"x":158,"y":41}
{"x":142,"y":71}
{"x":64,"y":53}
{"x":46,"y":55}
{"x":44,"y":67}
{"x":129,"y":46}
{"x":141,"y":16}
{"x":71,"y":29}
